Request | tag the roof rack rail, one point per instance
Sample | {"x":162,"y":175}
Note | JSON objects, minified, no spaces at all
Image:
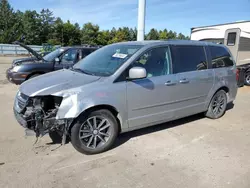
{"x":91,"y":46}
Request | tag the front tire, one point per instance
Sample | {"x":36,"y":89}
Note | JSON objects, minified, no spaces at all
{"x":247,"y":79}
{"x":56,"y":137}
{"x":217,"y":106}
{"x":94,"y":132}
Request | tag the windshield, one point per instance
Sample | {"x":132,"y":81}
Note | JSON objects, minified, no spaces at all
{"x":105,"y":61}
{"x":52,"y":55}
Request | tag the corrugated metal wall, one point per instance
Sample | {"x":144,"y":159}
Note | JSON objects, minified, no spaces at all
{"x":244,"y":44}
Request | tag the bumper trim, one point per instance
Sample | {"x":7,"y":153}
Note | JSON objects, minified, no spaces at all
{"x":14,"y":77}
{"x":20,"y":119}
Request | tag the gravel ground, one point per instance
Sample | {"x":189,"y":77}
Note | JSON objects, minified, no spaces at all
{"x":191,"y":152}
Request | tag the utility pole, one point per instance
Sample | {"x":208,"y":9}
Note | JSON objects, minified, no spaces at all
{"x":141,"y":20}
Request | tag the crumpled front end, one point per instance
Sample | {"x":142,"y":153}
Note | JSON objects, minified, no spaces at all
{"x":39,"y":113}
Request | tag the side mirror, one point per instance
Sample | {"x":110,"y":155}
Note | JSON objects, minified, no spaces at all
{"x":137,"y":73}
{"x":57,"y":60}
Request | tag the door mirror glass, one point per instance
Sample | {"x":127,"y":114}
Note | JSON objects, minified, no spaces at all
{"x":137,"y":73}
{"x":57,"y":60}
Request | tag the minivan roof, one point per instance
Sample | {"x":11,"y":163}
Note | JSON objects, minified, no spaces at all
{"x":173,"y":42}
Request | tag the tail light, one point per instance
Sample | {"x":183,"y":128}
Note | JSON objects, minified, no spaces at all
{"x":237,"y":74}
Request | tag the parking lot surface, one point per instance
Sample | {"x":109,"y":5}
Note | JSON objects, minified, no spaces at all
{"x":191,"y":152}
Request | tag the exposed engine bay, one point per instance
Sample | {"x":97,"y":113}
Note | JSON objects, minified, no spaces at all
{"x":39,"y":114}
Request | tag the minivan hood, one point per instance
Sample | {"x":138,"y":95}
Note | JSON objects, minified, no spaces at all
{"x":50,"y":83}
{"x":33,"y":52}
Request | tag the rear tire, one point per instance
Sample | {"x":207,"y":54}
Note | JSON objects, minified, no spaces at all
{"x":94,"y":132}
{"x":247,"y":79}
{"x":217,"y":106}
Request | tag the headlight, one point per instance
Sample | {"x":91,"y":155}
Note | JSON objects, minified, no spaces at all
{"x":16,"y":69}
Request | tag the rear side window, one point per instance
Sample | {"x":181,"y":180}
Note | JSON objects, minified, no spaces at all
{"x":220,"y":57}
{"x":188,"y":58}
{"x":231,"y":39}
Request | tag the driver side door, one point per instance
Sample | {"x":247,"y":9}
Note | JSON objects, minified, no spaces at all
{"x":67,"y":59}
{"x":151,"y":100}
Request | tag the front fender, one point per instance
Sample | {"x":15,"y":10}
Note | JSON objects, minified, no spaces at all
{"x":74,"y":105}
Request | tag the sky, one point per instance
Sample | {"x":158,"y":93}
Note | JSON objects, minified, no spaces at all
{"x":177,"y":15}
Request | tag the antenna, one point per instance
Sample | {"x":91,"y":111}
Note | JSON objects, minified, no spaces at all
{"x":141,"y":20}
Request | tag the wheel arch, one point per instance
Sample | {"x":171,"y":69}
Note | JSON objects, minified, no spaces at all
{"x":224,"y":88}
{"x":34,"y":73}
{"x":111,"y":108}
{"x":247,"y":70}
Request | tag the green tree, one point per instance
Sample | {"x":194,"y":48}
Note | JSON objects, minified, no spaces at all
{"x":9,"y":23}
{"x":47,"y":21}
{"x":56,"y":35}
{"x":132,"y":34}
{"x":71,"y":34}
{"x":113,"y":33}
{"x":103,"y":37}
{"x":172,"y":35}
{"x":89,"y":34}
{"x":126,"y":33}
{"x":163,"y":35}
{"x":153,"y":35}
{"x":38,"y":28}
{"x":119,"y":37}
{"x":181,"y":36}
{"x":31,"y":27}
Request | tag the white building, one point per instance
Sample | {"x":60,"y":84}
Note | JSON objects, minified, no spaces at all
{"x":236,"y":36}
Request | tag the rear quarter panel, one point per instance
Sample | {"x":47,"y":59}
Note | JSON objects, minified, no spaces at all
{"x":223,"y":77}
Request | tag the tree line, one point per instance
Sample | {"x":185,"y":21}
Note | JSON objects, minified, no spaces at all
{"x":34,"y":27}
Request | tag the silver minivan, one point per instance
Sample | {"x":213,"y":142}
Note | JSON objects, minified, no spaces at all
{"x":127,"y":86}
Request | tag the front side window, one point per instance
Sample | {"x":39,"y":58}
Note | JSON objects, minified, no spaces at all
{"x":155,"y":61}
{"x":106,"y":60}
{"x":52,"y":55}
{"x":69,"y":56}
{"x":231,"y":39}
{"x":188,"y":58}
{"x":220,"y":57}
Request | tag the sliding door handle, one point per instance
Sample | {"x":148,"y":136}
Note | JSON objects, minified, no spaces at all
{"x":170,"y":83}
{"x":184,"y":81}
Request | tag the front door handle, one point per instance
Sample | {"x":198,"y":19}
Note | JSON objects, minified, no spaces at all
{"x":184,"y":81}
{"x":169,"y":83}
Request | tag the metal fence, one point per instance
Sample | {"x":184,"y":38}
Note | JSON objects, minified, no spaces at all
{"x":11,"y":49}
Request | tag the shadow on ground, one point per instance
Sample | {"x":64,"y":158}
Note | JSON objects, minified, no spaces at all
{"x":123,"y":138}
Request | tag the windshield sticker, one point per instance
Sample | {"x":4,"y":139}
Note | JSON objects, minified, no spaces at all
{"x":119,"y":55}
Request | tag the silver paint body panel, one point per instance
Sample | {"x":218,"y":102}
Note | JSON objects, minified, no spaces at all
{"x":139,"y":103}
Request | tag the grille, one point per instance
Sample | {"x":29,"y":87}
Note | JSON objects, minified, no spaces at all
{"x":22,"y":100}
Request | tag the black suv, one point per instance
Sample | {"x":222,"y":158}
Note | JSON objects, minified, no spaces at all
{"x":64,"y":57}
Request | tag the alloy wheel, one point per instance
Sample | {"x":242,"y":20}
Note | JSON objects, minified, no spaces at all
{"x":95,"y":132}
{"x":248,"y":79}
{"x":218,"y":104}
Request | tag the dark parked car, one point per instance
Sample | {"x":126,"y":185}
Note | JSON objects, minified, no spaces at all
{"x":64,"y":57}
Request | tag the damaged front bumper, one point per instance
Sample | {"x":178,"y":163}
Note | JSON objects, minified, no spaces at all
{"x":20,"y":119}
{"x":39,"y":114}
